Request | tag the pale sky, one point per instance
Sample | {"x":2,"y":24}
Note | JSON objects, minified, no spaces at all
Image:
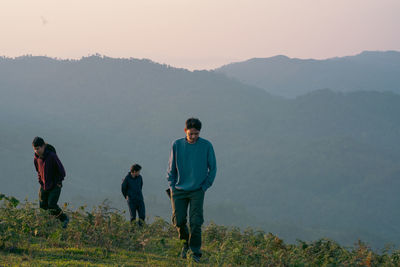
{"x":201,"y":34}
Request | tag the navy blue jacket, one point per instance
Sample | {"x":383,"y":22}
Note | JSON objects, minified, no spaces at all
{"x":132,"y":188}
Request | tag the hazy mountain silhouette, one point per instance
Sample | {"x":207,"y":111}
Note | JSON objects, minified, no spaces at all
{"x":290,"y":77}
{"x":323,"y":164}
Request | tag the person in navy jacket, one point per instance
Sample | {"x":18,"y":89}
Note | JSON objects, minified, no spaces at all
{"x":132,"y":191}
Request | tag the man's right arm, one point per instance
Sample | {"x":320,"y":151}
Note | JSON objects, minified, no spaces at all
{"x":37,"y":170}
{"x":172,"y":172}
{"x":124,"y":187}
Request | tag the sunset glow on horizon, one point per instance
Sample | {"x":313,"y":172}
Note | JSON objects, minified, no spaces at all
{"x":198,"y":34}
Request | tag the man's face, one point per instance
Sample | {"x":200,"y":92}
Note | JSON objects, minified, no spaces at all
{"x":135,"y":173}
{"x":39,"y":150}
{"x":192,"y":135}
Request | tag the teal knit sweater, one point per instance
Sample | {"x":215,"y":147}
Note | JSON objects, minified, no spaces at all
{"x":191,"y":166}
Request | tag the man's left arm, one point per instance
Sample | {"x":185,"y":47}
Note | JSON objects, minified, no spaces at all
{"x":212,"y":168}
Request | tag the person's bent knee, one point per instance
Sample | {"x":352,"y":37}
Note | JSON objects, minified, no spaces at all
{"x":178,"y":221}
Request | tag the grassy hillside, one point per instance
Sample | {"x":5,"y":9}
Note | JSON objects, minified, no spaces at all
{"x":102,"y":237}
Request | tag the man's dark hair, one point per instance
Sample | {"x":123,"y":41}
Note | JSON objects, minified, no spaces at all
{"x":38,"y":141}
{"x":193,"y":123}
{"x":136,"y":167}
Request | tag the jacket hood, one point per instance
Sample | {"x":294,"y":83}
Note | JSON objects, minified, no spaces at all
{"x":49,"y":148}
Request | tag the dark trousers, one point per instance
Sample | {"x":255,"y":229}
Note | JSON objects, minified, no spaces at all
{"x":48,"y":201}
{"x":137,"y":205}
{"x":180,"y":201}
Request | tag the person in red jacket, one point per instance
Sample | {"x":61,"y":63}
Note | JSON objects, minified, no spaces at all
{"x":51,"y":173}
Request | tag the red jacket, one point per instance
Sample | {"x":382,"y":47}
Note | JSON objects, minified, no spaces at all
{"x":49,"y":168}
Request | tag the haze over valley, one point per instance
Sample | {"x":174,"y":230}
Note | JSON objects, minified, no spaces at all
{"x":300,"y":157}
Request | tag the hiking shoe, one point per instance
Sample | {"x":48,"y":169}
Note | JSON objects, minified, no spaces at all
{"x":65,"y":222}
{"x":184,"y":251}
{"x":196,"y":258}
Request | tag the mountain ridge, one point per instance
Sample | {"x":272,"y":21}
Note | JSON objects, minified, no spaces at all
{"x":291,"y":77}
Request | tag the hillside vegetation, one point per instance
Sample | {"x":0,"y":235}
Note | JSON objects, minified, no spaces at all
{"x":102,"y":236}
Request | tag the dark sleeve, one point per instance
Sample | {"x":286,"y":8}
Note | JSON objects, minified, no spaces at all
{"x":124,"y":187}
{"x":59,"y":167}
{"x":37,"y":170}
{"x":141,"y":183}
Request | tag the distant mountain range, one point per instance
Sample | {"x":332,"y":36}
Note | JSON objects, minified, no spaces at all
{"x":326,"y":163}
{"x":291,"y":77}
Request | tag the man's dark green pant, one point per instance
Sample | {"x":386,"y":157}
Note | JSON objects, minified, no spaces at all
{"x":181,"y":200}
{"x":48,"y":201}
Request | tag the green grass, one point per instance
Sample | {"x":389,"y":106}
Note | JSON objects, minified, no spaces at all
{"x":29,"y":236}
{"x":85,"y":257}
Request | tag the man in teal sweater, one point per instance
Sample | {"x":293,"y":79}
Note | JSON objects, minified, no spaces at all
{"x":191,"y":171}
